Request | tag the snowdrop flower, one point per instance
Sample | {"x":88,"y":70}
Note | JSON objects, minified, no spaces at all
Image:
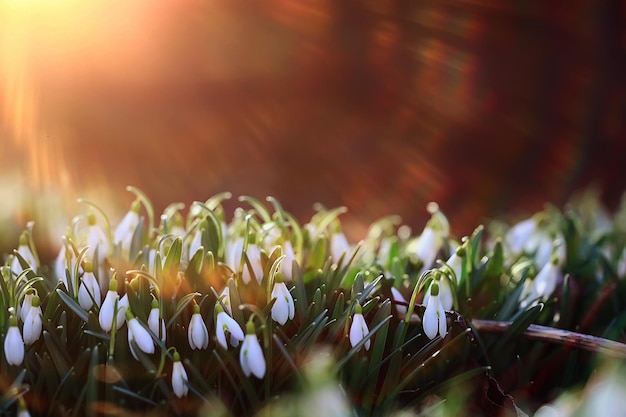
{"x":33,"y":323}
{"x":455,"y":262}
{"x":14,"y":344}
{"x":427,"y":246}
{"x":358,"y":329}
{"x":251,"y":356}
{"x":517,"y":236}
{"x":24,"y":250}
{"x":89,"y":290}
{"x":445,"y":291}
{"x":283,"y":308}
{"x":543,"y":285}
{"x":225,"y":323}
{"x":96,"y":239}
{"x":197,"y":333}
{"x":138,"y":334}
{"x":156,"y":324}
{"x":122,"y":306}
{"x":338,"y":246}
{"x":401,"y":306}
{"x":234,"y":250}
{"x":126,"y":229}
{"x":253,"y":252}
{"x":107,"y":311}
{"x":234,"y":253}
{"x":179,"y":377}
{"x":434,"y":321}
{"x":286,"y":266}
{"x":27,"y":303}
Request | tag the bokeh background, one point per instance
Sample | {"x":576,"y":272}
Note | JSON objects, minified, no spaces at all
{"x":490,"y":108}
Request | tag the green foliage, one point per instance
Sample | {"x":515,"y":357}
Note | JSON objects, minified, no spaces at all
{"x":562,"y":270}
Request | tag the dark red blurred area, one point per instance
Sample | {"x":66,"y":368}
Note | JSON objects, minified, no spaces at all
{"x":491,"y":109}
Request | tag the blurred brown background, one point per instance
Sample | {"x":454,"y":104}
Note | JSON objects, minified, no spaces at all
{"x":490,"y":108}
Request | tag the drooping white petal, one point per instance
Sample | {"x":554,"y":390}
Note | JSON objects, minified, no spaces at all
{"x":122,"y":306}
{"x":286,"y":266}
{"x":24,"y":309}
{"x":283,"y":309}
{"x":32,"y":326}
{"x":89,"y":289}
{"x":434,"y":321}
{"x":126,"y":229}
{"x":225,"y":323}
{"x":338,"y":246}
{"x":107,"y":312}
{"x":251,"y":357}
{"x":358,"y":330}
{"x":197,"y":333}
{"x":179,"y":378}
{"x":156,"y":324}
{"x":14,"y":346}
{"x":140,"y":336}
{"x":428,"y":244}
{"x":518,"y":235}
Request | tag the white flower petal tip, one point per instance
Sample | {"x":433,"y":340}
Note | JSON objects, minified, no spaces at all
{"x":197,"y":333}
{"x":179,"y":377}
{"x":359,"y":329}
{"x":434,"y":321}
{"x":226,"y":324}
{"x":14,"y":344}
{"x":138,"y":334}
{"x":251,"y":355}
{"x":283,"y":309}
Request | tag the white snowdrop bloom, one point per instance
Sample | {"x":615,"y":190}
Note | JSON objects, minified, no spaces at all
{"x":401,"y":306}
{"x":455,"y":262}
{"x":107,"y":311}
{"x":33,"y":322}
{"x":544,"y":283}
{"x":197,"y":332}
{"x":254,"y":257}
{"x":251,"y":355}
{"x":427,"y":246}
{"x":179,"y":377}
{"x":434,"y":321}
{"x":358,"y":329}
{"x":286,"y":266}
{"x":138,"y":334}
{"x":283,"y":309}
{"x":14,"y":344}
{"x":25,"y":307}
{"x":156,"y":324}
{"x":122,"y":306}
{"x":518,"y":235}
{"x":226,"y":324}
{"x":445,"y":292}
{"x":96,"y":240}
{"x":339,"y":246}
{"x":126,"y":229}
{"x":24,"y":250}
{"x":89,"y":289}
{"x":234,"y":253}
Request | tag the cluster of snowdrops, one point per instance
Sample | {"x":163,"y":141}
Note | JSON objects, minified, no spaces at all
{"x":179,"y":291}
